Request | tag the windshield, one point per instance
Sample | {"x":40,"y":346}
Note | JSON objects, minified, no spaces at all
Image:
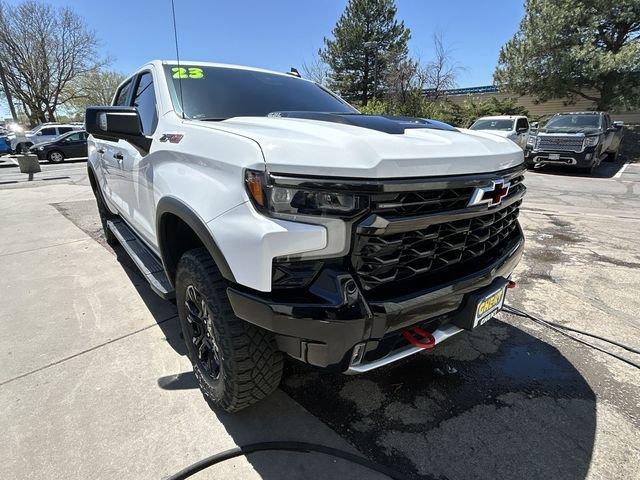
{"x":218,"y":93}
{"x":487,"y":124}
{"x":573,"y":122}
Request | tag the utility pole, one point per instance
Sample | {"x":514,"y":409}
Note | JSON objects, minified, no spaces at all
{"x":7,"y":94}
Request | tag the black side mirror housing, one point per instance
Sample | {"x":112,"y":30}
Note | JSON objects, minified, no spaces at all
{"x":117,"y":123}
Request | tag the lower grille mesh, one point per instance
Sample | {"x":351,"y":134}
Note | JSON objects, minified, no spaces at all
{"x":379,"y":260}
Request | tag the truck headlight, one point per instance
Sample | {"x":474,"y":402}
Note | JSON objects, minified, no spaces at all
{"x":41,"y":148}
{"x":531,"y":141}
{"x":273,"y":198}
{"x":591,"y":141}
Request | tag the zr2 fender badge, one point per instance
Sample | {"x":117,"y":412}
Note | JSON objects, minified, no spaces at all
{"x":491,"y":195}
{"x":171,"y":137}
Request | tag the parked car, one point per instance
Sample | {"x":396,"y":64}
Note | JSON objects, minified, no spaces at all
{"x":576,"y":139}
{"x":68,"y":145}
{"x":22,"y":141}
{"x":513,"y":127}
{"x":283,"y":221}
{"x":5,"y":145}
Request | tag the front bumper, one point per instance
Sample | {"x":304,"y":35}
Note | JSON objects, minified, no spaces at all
{"x":586,"y":158}
{"x":326,"y":332}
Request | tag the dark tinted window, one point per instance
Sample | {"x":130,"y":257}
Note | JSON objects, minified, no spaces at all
{"x":145,"y":101}
{"x":220,"y":93}
{"x":48,"y":131}
{"x":574,"y":121}
{"x":522,"y":123}
{"x":123,"y":94}
{"x":62,"y":130}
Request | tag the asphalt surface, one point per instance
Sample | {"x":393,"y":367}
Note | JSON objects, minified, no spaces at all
{"x":102,"y":389}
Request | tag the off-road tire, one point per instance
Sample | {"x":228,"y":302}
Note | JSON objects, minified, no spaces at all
{"x":250,"y":365}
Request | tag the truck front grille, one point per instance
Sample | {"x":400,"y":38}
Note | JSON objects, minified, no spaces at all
{"x":379,"y":260}
{"x":559,"y":143}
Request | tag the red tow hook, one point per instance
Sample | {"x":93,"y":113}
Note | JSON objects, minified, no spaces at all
{"x":426,"y":341}
{"x":511,"y":284}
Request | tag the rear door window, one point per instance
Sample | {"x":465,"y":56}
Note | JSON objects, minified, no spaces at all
{"x":62,"y":130}
{"x":122,"y":97}
{"x":48,"y":131}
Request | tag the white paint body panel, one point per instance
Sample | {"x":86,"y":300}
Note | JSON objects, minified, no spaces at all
{"x":205,"y":171}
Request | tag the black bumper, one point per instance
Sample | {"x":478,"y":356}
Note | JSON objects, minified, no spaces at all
{"x":584,"y":159}
{"x":325,"y":332}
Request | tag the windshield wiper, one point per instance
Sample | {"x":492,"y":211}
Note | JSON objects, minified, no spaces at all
{"x":212,"y":119}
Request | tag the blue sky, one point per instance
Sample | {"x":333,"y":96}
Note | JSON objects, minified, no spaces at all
{"x":278,"y":34}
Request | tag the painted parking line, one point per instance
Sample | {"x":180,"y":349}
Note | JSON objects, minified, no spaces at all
{"x":621,"y":171}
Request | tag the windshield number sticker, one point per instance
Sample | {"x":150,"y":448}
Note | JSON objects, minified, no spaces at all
{"x":191,"y":72}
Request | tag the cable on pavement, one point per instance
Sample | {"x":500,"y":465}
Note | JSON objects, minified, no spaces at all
{"x":561,"y":329}
{"x":288,"y":447}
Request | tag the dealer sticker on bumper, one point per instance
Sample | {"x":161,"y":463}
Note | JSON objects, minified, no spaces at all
{"x":489,"y":306}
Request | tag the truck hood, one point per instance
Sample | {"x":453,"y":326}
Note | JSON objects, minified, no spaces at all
{"x":328,"y":148}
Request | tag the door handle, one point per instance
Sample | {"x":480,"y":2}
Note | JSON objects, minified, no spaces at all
{"x":100,"y":151}
{"x":118,"y":156}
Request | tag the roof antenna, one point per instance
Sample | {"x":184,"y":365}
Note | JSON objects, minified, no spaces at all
{"x":175,"y":36}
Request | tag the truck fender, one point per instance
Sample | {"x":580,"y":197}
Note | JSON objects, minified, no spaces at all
{"x":174,"y":206}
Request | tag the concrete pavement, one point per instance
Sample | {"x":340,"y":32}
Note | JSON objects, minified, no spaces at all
{"x":95,"y":384}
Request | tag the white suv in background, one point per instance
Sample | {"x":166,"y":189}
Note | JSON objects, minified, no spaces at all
{"x":21,"y":142}
{"x":513,"y":127}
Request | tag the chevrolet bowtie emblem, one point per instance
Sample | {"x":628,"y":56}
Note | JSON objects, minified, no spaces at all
{"x":491,"y":195}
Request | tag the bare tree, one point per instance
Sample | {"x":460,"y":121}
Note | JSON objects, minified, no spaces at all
{"x":442,"y":71}
{"x":43,"y":49}
{"x":94,"y":88}
{"x":317,"y":70}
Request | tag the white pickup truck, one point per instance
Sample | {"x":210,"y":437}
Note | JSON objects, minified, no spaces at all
{"x":283,"y":221}
{"x":514,"y":127}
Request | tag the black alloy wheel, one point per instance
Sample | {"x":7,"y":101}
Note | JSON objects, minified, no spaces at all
{"x":202,"y":333}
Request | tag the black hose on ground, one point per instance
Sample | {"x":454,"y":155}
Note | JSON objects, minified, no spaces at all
{"x":562,"y":329}
{"x":303,"y":447}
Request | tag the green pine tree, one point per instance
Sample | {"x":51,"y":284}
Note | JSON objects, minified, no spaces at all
{"x":366,"y":40}
{"x":587,"y":48}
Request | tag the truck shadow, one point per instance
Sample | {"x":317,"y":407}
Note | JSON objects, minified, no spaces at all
{"x":497,"y":403}
{"x":604,"y":170}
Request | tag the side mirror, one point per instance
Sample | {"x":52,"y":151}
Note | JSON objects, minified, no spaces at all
{"x":39,"y":134}
{"x":618,"y":125}
{"x":117,"y":123}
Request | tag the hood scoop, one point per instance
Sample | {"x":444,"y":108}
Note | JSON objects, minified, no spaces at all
{"x":387,"y":124}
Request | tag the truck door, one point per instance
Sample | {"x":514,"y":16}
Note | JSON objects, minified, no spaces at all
{"x":136,"y":187}
{"x":609,"y":133}
{"x":111,"y":156}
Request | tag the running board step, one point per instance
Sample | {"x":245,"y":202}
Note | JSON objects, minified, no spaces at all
{"x":148,"y":264}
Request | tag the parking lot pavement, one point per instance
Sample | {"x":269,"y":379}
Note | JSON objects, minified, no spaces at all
{"x":95,"y":384}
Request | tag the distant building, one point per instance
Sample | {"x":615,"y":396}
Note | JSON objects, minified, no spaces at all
{"x":536,"y":110}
